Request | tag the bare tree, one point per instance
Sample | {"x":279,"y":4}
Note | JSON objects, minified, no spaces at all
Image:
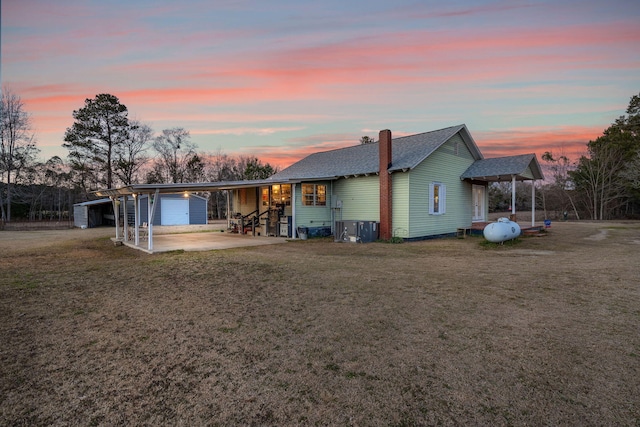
{"x":33,"y":190}
{"x":220,"y":168}
{"x":597,"y":176}
{"x":174,"y":153}
{"x":57,"y":180}
{"x":562,"y":186}
{"x":131,"y":153}
{"x":631,"y":172}
{"x":17,"y":144}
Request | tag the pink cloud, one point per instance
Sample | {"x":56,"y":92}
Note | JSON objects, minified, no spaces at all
{"x":239,"y":131}
{"x":570,"y":140}
{"x":397,"y":58}
{"x":194,"y":75}
{"x":298,"y":148}
{"x":336,"y":70}
{"x":187,"y":95}
{"x":422,"y":57}
{"x":490,"y":8}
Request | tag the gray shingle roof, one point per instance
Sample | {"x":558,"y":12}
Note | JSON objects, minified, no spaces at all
{"x":501,"y":168}
{"x":407,"y":153}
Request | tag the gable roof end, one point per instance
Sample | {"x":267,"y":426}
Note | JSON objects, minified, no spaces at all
{"x":504,"y":168}
{"x":407,"y":153}
{"x":410,"y":151}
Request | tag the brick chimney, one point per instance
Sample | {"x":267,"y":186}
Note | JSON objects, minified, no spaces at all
{"x":384,"y":145}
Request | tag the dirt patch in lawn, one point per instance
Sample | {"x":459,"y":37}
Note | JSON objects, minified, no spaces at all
{"x":449,"y":331}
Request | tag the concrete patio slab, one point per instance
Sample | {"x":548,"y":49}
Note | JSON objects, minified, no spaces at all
{"x":205,"y":241}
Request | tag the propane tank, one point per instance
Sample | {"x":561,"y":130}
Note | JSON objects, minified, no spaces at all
{"x":501,"y":230}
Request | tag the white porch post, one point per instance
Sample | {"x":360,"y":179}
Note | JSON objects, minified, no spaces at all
{"x":533,"y":203}
{"x":513,"y":195}
{"x":116,"y":215}
{"x":294,"y":227}
{"x":228,"y":209}
{"x":150,"y":224}
{"x":136,"y":215}
{"x":125,"y":222}
{"x":151,"y":209}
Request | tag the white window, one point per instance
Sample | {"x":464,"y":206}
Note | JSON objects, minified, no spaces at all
{"x":281,"y":194}
{"x":314,"y":195}
{"x":437,"y":198}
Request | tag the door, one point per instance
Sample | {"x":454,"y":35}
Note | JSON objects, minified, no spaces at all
{"x":478,"y":202}
{"x":174,"y":211}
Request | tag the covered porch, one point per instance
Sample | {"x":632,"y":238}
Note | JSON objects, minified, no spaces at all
{"x":512,"y":169}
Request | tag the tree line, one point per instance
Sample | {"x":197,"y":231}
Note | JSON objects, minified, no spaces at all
{"x":602,"y":183}
{"x":105,"y":149}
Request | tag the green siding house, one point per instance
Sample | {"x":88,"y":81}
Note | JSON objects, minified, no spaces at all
{"x":412,"y":187}
{"x":431,"y":186}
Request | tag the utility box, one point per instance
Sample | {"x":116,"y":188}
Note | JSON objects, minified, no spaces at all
{"x":356,"y":231}
{"x":345,"y":231}
{"x":284,"y":226}
{"x":368,"y":231}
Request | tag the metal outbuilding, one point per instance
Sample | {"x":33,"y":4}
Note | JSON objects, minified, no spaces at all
{"x":94,"y":213}
{"x":173,"y":209}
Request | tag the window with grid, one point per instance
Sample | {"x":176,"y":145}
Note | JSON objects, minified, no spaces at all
{"x":314,"y":195}
{"x":281,"y":194}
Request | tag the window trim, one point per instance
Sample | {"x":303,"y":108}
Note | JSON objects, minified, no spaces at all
{"x":285,"y":196}
{"x":315,"y":199}
{"x":442,"y":198}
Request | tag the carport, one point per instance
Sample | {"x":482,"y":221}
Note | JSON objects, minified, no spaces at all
{"x":134,"y":238}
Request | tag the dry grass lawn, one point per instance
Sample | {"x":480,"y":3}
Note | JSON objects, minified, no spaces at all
{"x":443,"y":332}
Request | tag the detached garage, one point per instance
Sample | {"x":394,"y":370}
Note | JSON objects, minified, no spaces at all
{"x":174,"y":209}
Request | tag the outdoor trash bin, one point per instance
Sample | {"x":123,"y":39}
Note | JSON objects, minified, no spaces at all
{"x":302,"y":233}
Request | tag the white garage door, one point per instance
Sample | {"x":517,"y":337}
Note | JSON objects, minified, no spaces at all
{"x":175,"y":212}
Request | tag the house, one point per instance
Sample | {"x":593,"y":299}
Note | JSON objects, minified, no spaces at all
{"x":412,"y":187}
{"x":431,"y":184}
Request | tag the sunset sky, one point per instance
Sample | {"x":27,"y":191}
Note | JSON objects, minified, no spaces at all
{"x":281,"y":79}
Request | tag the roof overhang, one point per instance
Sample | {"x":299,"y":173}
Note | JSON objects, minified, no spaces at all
{"x":187,"y":187}
{"x":498,"y":178}
{"x":93,"y":202}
